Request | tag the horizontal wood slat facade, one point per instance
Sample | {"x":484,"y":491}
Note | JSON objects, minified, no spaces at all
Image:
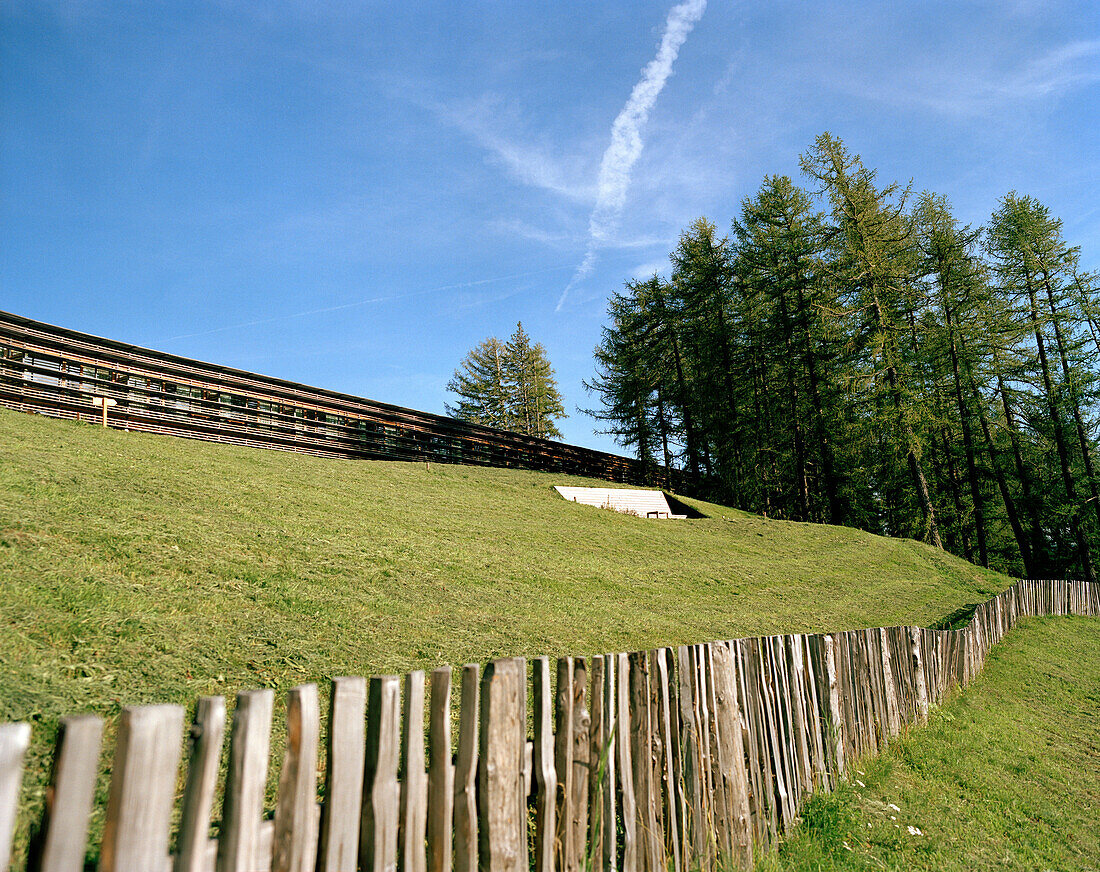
{"x":57,"y":372}
{"x":672,"y":759}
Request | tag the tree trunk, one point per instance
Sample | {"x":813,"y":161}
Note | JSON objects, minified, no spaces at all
{"x":1083,"y":552}
{"x":919,"y":481}
{"x":1082,"y":438}
{"x":832,"y":488}
{"x":801,"y":479}
{"x":1002,"y":484}
{"x":968,"y":441}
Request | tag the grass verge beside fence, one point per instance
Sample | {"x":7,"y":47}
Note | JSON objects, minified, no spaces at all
{"x":1005,"y":776}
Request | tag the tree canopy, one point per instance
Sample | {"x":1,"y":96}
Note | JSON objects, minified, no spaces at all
{"x":509,"y":385}
{"x":851,"y":354}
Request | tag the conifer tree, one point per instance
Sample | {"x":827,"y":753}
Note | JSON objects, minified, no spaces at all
{"x":1036,"y":270}
{"x":481,"y":383}
{"x":778,"y":253}
{"x":874,"y":365}
{"x":508,"y":385}
{"x":874,"y":259}
{"x":531,"y":387}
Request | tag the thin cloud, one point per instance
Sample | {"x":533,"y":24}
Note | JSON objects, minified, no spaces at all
{"x":969,"y":92}
{"x":389,"y":298}
{"x":626,"y":137}
{"x":524,"y":230}
{"x":528,"y":163}
{"x":652,"y":268}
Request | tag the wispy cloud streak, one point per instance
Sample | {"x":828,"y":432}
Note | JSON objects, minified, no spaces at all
{"x":626,"y":137}
{"x":389,"y":298}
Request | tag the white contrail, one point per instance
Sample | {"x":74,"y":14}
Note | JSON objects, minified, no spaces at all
{"x":626,"y":136}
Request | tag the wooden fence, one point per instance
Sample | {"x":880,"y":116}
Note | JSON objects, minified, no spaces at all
{"x":671,"y":759}
{"x":61,"y":373}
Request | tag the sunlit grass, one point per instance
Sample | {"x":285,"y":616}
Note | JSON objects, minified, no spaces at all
{"x":136,"y":569}
{"x":1006,"y":776}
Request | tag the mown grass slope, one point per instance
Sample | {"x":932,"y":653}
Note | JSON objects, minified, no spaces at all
{"x":1006,"y":776}
{"x":136,"y":568}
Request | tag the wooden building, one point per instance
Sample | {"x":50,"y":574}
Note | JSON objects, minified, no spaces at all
{"x":57,"y":372}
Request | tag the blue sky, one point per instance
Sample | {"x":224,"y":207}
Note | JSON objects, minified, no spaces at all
{"x":354,"y":195}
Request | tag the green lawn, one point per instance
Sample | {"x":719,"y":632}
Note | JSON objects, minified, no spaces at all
{"x":136,"y":568}
{"x":1005,"y":776}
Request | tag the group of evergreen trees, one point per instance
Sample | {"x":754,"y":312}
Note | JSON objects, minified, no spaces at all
{"x":508,"y":385}
{"x":853,"y":355}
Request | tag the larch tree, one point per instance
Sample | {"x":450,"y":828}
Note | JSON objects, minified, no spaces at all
{"x":874,"y":256}
{"x":854,"y":355}
{"x":481,"y":384}
{"x":508,"y":385}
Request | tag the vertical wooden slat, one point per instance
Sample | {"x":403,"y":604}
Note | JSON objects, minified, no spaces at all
{"x":814,"y":722}
{"x":339,"y":847}
{"x":609,"y":786}
{"x":525,"y":757}
{"x":796,"y":683}
{"x":568,"y":858}
{"x":143,"y":787}
{"x":702,"y":713}
{"x":667,"y":749}
{"x":866,"y":684}
{"x":207,"y":737}
{"x":412,"y":824}
{"x":600,"y":757}
{"x":381,"y":794}
{"x":772,"y":733}
{"x":748,"y":697}
{"x":14,"y":740}
{"x":691,"y":823}
{"x":623,"y":740}
{"x":440,"y":774}
{"x":581,"y":762}
{"x":295,"y":838}
{"x":546,"y":779}
{"x":834,"y":724}
{"x":719,"y":805}
{"x":679,"y":810}
{"x":502,"y":834}
{"x":650,"y":837}
{"x":465,"y":812}
{"x":785,"y":684}
{"x":59,"y":844}
{"x":249,"y":747}
{"x":893,"y":721}
{"x":727,"y":717}
{"x":917,"y":654}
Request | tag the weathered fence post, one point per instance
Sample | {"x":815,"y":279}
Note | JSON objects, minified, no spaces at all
{"x":413,"y":818}
{"x":917,"y":653}
{"x":242,"y":808}
{"x":14,"y":740}
{"x":339,"y":848}
{"x":502,"y":833}
{"x":441,"y":774}
{"x":60,"y":843}
{"x":546,"y":778}
{"x":624,"y":747}
{"x":465,"y":811}
{"x":143,"y":788}
{"x":381,"y":794}
{"x":294,"y":847}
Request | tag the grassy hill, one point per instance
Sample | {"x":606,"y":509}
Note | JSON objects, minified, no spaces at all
{"x":136,"y":568}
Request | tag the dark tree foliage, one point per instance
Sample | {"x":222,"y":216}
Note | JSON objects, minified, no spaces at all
{"x":508,"y":385}
{"x":851,"y":354}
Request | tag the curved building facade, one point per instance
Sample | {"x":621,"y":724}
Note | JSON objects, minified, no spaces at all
{"x":60,"y":373}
